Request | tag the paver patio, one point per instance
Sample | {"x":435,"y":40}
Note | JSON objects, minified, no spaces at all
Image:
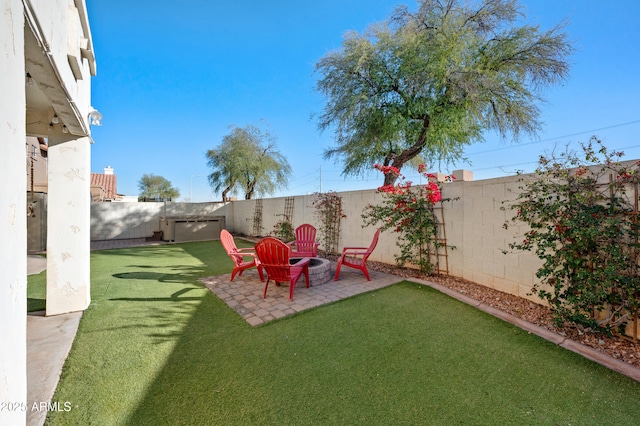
{"x":244,"y":293}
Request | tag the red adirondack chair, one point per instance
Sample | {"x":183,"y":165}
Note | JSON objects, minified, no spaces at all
{"x":356,"y":257}
{"x":238,"y":255}
{"x":305,"y":244}
{"x":274,"y":257}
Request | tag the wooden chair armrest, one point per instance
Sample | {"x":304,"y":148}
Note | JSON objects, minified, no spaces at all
{"x":239,"y":253}
{"x":355,"y":253}
{"x":345,"y":249}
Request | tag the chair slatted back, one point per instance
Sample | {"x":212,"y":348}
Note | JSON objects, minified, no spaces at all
{"x":274,"y":257}
{"x":230,"y":247}
{"x":306,"y":238}
{"x":373,"y":245}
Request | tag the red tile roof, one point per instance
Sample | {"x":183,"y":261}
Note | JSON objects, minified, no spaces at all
{"x":107,"y":183}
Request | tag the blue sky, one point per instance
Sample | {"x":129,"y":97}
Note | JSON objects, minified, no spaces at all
{"x":173,"y":76}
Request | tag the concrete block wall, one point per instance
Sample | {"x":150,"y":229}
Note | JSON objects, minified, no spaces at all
{"x":240,"y":220}
{"x":474,"y":225}
{"x":112,"y":221}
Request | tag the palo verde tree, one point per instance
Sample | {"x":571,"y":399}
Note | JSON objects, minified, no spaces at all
{"x":156,"y":188}
{"x":225,"y":161}
{"x":249,"y":159}
{"x":430,"y":82}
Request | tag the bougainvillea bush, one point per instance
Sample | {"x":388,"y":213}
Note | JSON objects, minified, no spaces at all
{"x":582,"y":220}
{"x":407,"y":209}
{"x":283,"y":230}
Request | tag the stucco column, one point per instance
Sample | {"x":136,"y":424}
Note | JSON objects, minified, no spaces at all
{"x":13,"y":217}
{"x":68,"y":225}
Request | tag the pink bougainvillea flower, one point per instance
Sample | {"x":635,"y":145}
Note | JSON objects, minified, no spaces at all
{"x":387,"y":169}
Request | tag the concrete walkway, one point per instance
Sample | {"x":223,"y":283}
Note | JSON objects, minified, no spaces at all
{"x":36,"y":264}
{"x":49,"y":341}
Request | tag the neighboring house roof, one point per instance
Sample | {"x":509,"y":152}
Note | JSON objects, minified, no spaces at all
{"x":107,"y":182}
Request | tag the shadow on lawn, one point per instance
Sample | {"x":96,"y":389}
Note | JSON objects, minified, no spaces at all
{"x":154,"y":276}
{"x":206,"y":323}
{"x":35,"y":304}
{"x":195,"y":365}
{"x":177,"y":296}
{"x":220,"y":370}
{"x":163,"y":286}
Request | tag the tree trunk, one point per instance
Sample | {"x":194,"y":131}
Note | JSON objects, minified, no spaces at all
{"x":398,"y":161}
{"x":250,"y":190}
{"x":225,"y":192}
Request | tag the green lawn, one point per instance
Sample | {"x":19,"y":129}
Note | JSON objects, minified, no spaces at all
{"x":156,"y":347}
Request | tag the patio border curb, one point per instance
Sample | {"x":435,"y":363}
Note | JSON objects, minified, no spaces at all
{"x":590,"y":353}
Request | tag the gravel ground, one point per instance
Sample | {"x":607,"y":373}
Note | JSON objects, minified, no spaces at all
{"x":618,"y":347}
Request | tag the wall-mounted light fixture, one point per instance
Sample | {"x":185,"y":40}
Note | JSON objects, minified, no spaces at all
{"x":56,"y":121}
{"x":95,"y":118}
{"x":28,"y":80}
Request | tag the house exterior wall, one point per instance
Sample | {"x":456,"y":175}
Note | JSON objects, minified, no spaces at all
{"x":13,"y":226}
{"x":68,"y":240}
{"x":64,"y":26}
{"x":50,"y":41}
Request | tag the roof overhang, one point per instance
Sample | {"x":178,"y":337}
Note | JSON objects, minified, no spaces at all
{"x":47,"y":94}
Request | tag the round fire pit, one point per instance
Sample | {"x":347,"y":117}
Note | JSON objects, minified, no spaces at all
{"x":319,"y":271}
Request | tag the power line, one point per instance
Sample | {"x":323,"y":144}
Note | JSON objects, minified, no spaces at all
{"x":535,"y":162}
{"x":555,"y":138}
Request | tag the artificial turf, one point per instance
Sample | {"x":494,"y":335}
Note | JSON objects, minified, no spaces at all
{"x":156,"y":347}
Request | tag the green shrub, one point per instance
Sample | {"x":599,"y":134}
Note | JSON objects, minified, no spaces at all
{"x":581,"y":211}
{"x":283,"y":230}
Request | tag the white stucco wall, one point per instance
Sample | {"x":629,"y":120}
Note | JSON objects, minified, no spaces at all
{"x":68,"y":215}
{"x":13,"y":249}
{"x":113,"y":221}
{"x":42,"y":38}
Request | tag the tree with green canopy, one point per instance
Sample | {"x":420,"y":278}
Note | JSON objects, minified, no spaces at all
{"x":247,"y":158}
{"x":156,"y":188}
{"x":423,"y":85}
